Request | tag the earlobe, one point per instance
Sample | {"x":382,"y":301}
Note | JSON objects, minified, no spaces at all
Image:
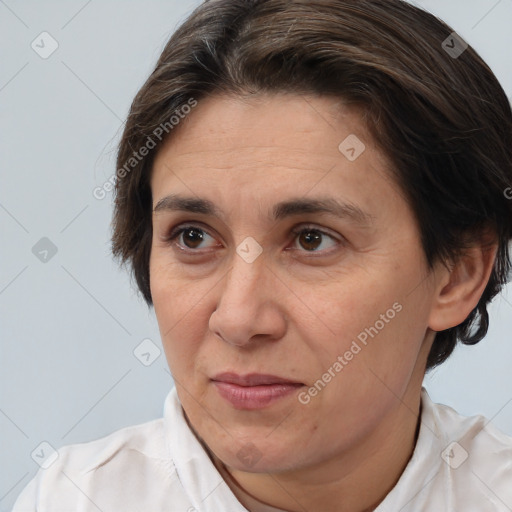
{"x":460,"y":286}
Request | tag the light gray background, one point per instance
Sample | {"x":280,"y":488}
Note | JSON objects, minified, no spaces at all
{"x":69,"y":326}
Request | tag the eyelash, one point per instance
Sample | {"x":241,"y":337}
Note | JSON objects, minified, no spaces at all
{"x":176,"y":232}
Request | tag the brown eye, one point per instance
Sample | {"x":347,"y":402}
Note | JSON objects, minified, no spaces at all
{"x":310,"y":239}
{"x":192,"y":237}
{"x":189,"y":237}
{"x":313,"y":240}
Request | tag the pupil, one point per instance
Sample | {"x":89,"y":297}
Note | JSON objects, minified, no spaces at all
{"x":193,"y":236}
{"x":311,"y":239}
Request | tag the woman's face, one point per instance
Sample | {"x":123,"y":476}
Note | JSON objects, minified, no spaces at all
{"x":299,"y":259}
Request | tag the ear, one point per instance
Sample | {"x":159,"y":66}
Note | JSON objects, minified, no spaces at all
{"x":460,"y":286}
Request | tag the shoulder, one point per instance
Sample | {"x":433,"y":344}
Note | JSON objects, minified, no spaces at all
{"x":476,"y":456}
{"x":77,"y":473}
{"x":80,"y":458}
{"x":476,"y":433}
{"x":459,"y":463}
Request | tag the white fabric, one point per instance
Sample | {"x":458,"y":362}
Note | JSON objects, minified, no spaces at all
{"x":160,"y":466}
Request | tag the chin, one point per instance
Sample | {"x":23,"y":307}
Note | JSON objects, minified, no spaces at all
{"x":258,"y":455}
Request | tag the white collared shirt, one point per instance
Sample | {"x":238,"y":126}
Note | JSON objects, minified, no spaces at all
{"x":160,"y":466}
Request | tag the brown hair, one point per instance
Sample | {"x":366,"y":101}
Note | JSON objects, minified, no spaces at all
{"x":441,"y":118}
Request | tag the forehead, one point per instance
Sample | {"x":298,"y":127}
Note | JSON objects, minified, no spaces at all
{"x":272,"y":145}
{"x":284,"y":127}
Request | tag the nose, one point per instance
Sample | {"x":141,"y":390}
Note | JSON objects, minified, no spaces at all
{"x":248,"y":307}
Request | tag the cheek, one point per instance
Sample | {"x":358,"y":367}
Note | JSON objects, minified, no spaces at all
{"x":376,"y":325}
{"x":367,"y":370}
{"x":351,"y":306}
{"x":181,"y":318}
{"x":381,"y":357}
{"x":175,"y":297}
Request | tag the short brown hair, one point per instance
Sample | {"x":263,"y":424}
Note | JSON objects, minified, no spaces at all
{"x":442,"y":119}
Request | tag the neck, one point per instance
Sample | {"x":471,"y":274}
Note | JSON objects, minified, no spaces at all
{"x":356,"y":481}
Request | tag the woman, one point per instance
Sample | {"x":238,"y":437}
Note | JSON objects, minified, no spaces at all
{"x":313,"y":197}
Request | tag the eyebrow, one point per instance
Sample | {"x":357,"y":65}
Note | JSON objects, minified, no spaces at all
{"x":289,"y":208}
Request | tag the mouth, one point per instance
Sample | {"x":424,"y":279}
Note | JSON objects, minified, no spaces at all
{"x":255,"y":390}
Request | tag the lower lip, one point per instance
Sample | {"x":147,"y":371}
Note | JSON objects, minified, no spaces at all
{"x":254,"y":397}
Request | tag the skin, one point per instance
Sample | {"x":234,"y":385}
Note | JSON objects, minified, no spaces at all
{"x":298,"y":306}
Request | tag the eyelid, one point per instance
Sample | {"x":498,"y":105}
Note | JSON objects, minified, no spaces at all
{"x":313,"y":227}
{"x":184,"y":225}
{"x":339,"y":239}
{"x":179,"y":229}
{"x":296,"y":230}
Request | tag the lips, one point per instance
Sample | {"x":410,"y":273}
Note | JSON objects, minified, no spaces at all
{"x":253,"y":379}
{"x":255,"y":390}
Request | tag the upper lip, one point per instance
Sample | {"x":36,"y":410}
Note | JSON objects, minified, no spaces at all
{"x":252,"y":379}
